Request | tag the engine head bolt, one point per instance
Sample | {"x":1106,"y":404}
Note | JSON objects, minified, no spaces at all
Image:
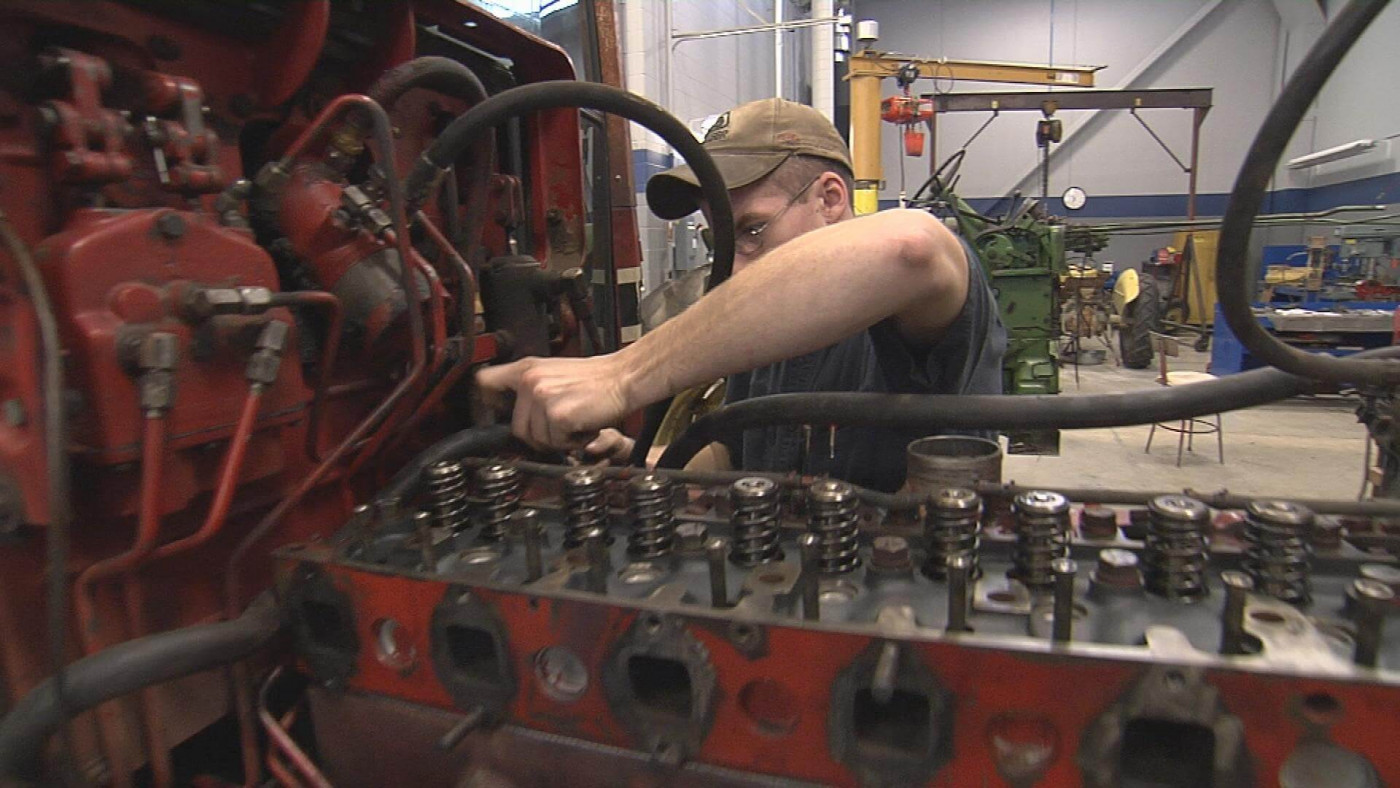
{"x":1097,"y":521}
{"x":1237,"y":587}
{"x":1117,"y":569}
{"x":890,"y":554}
{"x":1372,"y":599}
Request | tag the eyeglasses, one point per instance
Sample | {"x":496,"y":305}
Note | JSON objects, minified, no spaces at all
{"x":749,"y":240}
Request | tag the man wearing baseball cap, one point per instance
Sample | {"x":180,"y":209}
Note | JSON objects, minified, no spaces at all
{"x":820,"y":300}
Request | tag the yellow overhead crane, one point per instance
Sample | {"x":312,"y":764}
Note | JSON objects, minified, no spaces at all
{"x":867,"y":68}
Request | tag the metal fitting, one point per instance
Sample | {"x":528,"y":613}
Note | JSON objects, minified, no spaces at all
{"x":254,"y":300}
{"x":202,"y":303}
{"x":359,"y":205}
{"x":265,"y":362}
{"x":155,"y":356}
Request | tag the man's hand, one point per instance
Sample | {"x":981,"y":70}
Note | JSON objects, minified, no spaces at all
{"x":610,"y":445}
{"x":560,"y":403}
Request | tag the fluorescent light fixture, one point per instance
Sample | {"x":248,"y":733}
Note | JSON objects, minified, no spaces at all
{"x":1353,"y":148}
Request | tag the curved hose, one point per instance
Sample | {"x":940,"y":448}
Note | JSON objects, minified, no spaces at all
{"x":1235,"y":283}
{"x":1001,"y":412}
{"x":450,"y":78}
{"x":467,"y":129}
{"x":126,"y":668}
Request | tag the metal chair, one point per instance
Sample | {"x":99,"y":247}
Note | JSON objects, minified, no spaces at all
{"x":1169,"y":347}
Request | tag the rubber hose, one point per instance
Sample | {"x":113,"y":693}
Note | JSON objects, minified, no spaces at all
{"x":126,"y":668}
{"x":477,"y":440}
{"x":1236,"y":286}
{"x":934,"y":413}
{"x":450,"y":78}
{"x":526,"y":99}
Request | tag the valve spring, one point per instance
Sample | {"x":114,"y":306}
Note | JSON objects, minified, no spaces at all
{"x":651,"y":503}
{"x":953,"y":528}
{"x":1176,"y":558}
{"x":1277,"y":555}
{"x":446,"y":484}
{"x":831,"y":515}
{"x":585,"y":504}
{"x":1042,"y":535}
{"x":756,"y":502}
{"x":497,"y":497}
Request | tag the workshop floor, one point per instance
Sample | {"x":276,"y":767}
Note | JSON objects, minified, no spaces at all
{"x":1307,"y":448}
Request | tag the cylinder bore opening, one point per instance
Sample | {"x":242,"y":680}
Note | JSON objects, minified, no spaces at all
{"x":1166,"y":754}
{"x":660,"y":685}
{"x":902,"y":725}
{"x":954,"y":449}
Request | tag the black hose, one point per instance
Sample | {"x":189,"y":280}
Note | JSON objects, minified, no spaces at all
{"x":450,"y":78}
{"x":126,"y":668}
{"x":477,"y":440}
{"x":526,"y":99}
{"x":55,"y":454}
{"x":1235,"y":284}
{"x":934,"y":413}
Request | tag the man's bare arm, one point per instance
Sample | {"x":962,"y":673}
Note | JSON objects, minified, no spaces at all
{"x":809,"y":293}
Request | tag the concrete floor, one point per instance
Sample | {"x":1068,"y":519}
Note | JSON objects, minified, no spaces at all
{"x":1305,"y":448}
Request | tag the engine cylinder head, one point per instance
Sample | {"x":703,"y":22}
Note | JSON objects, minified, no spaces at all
{"x":831,"y":512}
{"x":756,"y":503}
{"x":651,"y":503}
{"x":1042,"y":535}
{"x":585,"y":504}
{"x":448,"y":499}
{"x":1277,"y":554}
{"x":497,"y":498}
{"x":953,"y":528}
{"x":1176,"y":556}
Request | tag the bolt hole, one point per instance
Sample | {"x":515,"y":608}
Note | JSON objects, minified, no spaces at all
{"x":1004,"y":597}
{"x":1266,"y":617}
{"x":652,"y":623}
{"x":1321,"y":708}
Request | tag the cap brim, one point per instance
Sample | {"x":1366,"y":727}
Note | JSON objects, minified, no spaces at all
{"x":676,"y":192}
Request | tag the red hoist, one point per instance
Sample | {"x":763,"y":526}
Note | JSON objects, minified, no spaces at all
{"x":908,"y":110}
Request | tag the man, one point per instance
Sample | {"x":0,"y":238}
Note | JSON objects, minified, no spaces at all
{"x":820,"y":300}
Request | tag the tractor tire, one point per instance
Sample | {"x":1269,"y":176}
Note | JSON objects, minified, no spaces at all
{"x":1140,"y":319}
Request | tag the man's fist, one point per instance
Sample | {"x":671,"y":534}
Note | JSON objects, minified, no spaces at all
{"x":560,"y":403}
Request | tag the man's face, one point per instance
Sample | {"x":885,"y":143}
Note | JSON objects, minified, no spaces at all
{"x":769,"y":217}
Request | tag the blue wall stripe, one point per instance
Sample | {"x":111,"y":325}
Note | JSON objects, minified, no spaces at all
{"x":646,"y":163}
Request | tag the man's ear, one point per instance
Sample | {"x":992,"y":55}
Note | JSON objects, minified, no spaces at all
{"x":834,"y":198}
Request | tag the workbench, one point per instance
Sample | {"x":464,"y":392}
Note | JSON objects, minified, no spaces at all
{"x":1348,"y":328}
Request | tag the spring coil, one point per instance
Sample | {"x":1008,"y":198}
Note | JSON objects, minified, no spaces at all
{"x":651,"y":504}
{"x":497,"y":497}
{"x":1176,"y":558}
{"x":1277,"y":555}
{"x":1042,"y":535}
{"x":953,"y":527}
{"x":448,"y":501}
{"x":756,"y":503}
{"x":585,"y":504}
{"x":831,"y":515}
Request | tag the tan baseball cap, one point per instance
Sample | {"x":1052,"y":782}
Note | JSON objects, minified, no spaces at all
{"x":747,"y":143}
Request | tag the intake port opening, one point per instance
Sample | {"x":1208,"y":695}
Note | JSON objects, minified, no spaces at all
{"x":473,"y":652}
{"x":660,"y":684}
{"x":1166,"y":754}
{"x":903,"y":725}
{"x":326,"y":627}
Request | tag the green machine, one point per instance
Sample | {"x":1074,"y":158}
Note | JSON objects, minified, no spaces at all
{"x":1023,"y":256}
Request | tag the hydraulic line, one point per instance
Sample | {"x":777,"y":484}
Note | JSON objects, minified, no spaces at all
{"x":126,"y":668}
{"x":55,"y":453}
{"x":1236,"y":288}
{"x":934,"y":413}
{"x":466,"y":130}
